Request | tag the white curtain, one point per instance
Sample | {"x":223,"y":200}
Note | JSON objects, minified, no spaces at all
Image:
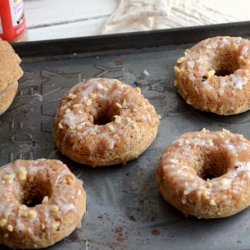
{"x":141,"y":15}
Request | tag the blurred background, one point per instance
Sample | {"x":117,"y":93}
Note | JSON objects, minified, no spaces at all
{"x":52,"y":19}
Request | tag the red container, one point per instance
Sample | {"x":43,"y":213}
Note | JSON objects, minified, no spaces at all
{"x":12,"y":21}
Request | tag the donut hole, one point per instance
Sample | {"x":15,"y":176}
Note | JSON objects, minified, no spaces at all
{"x":104,"y":115}
{"x":212,"y":165}
{"x":102,"y":118}
{"x":34,"y":193}
{"x":226,"y":63}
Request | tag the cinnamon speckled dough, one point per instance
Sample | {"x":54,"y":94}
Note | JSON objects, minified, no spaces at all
{"x":101,"y":122}
{"x":206,"y":174}
{"x":7,"y":96}
{"x":10,"y":72}
{"x":214,"y":75}
{"x":60,"y":198}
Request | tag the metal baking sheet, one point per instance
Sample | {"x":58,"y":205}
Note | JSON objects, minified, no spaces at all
{"x":124,"y":209}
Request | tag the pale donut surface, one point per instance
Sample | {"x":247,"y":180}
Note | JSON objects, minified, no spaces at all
{"x":206,"y":174}
{"x":214,"y":75}
{"x":101,"y":122}
{"x":7,"y":96}
{"x":10,"y":72}
{"x":62,"y":203}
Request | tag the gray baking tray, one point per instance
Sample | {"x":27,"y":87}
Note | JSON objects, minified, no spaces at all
{"x":124,"y":209}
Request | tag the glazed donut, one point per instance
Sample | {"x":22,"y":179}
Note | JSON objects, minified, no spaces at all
{"x":10,"y":72}
{"x":41,"y":203}
{"x":214,"y":75}
{"x":206,"y":174}
{"x":101,"y":122}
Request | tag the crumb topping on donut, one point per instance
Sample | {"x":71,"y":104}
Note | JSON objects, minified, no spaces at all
{"x":8,"y":177}
{"x":201,"y":173}
{"x":234,"y":46}
{"x":32,"y":213}
{"x":3,"y":222}
{"x":104,"y":115}
{"x":72,"y":96}
{"x":45,"y":199}
{"x":22,"y":175}
{"x":214,"y":74}
{"x":54,"y":208}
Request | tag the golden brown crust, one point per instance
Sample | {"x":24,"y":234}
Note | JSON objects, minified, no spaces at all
{"x":103,"y":122}
{"x":59,"y":207}
{"x":206,"y":174}
{"x":7,"y":96}
{"x":10,"y":72}
{"x":214,"y":75}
